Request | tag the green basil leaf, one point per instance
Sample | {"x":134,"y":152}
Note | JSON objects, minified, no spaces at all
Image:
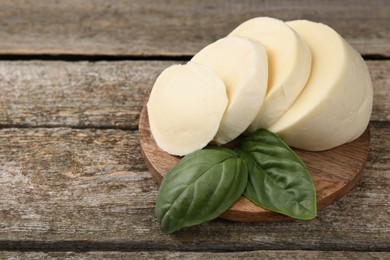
{"x":277,"y":179}
{"x":203,"y":185}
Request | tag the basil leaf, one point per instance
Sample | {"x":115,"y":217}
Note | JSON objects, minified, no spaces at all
{"x":278,"y":180}
{"x":200,"y":187}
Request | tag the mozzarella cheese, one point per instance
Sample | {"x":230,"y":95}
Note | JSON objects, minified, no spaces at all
{"x":335,"y":106}
{"x":242,"y":64}
{"x":289,"y":63}
{"x":185,"y":108}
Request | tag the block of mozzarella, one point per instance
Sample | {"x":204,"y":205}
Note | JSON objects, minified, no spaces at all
{"x":185,"y":108}
{"x":335,"y":106}
{"x":289,"y":63}
{"x":242,"y":65}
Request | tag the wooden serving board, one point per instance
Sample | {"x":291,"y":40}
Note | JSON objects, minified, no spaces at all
{"x":334,"y":172}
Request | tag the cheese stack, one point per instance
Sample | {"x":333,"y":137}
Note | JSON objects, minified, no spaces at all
{"x":299,"y":79}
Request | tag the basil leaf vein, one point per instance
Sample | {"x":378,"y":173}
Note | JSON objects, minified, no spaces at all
{"x":203,"y":185}
{"x":277,"y":178}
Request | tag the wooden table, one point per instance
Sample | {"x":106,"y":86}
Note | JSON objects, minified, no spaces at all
{"x":73,"y":78}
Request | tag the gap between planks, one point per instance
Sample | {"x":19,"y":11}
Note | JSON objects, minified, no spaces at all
{"x":110,"y":57}
{"x":103,"y":57}
{"x":91,"y":246}
{"x":261,"y":254}
{"x":100,"y":127}
{"x":110,"y":127}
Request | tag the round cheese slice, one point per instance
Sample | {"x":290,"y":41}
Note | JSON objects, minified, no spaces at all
{"x":289,"y":63}
{"x":185,"y":108}
{"x":335,"y":106}
{"x":242,"y":65}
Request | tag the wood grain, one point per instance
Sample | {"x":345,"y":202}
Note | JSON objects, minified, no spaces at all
{"x":81,"y":94}
{"x":72,"y":177}
{"x":104,"y":94}
{"x":334,"y":172}
{"x":173,"y":28}
{"x":73,"y":189}
{"x":269,"y":254}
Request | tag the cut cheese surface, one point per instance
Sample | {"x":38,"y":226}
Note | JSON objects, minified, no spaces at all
{"x":242,"y":65}
{"x":185,"y":108}
{"x":335,"y":106}
{"x":289,"y":61}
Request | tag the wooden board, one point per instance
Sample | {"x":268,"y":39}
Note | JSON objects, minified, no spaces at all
{"x":334,"y":172}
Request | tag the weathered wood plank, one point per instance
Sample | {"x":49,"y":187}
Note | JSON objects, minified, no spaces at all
{"x":104,"y":94}
{"x":146,"y":27}
{"x":82,"y":94}
{"x":379,"y":154}
{"x":271,"y":254}
{"x":380,"y":72}
{"x":88,"y":189}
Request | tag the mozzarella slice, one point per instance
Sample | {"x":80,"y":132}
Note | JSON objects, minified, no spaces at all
{"x":185,"y":108}
{"x":335,"y":106}
{"x":242,"y":65}
{"x":289,"y":63}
